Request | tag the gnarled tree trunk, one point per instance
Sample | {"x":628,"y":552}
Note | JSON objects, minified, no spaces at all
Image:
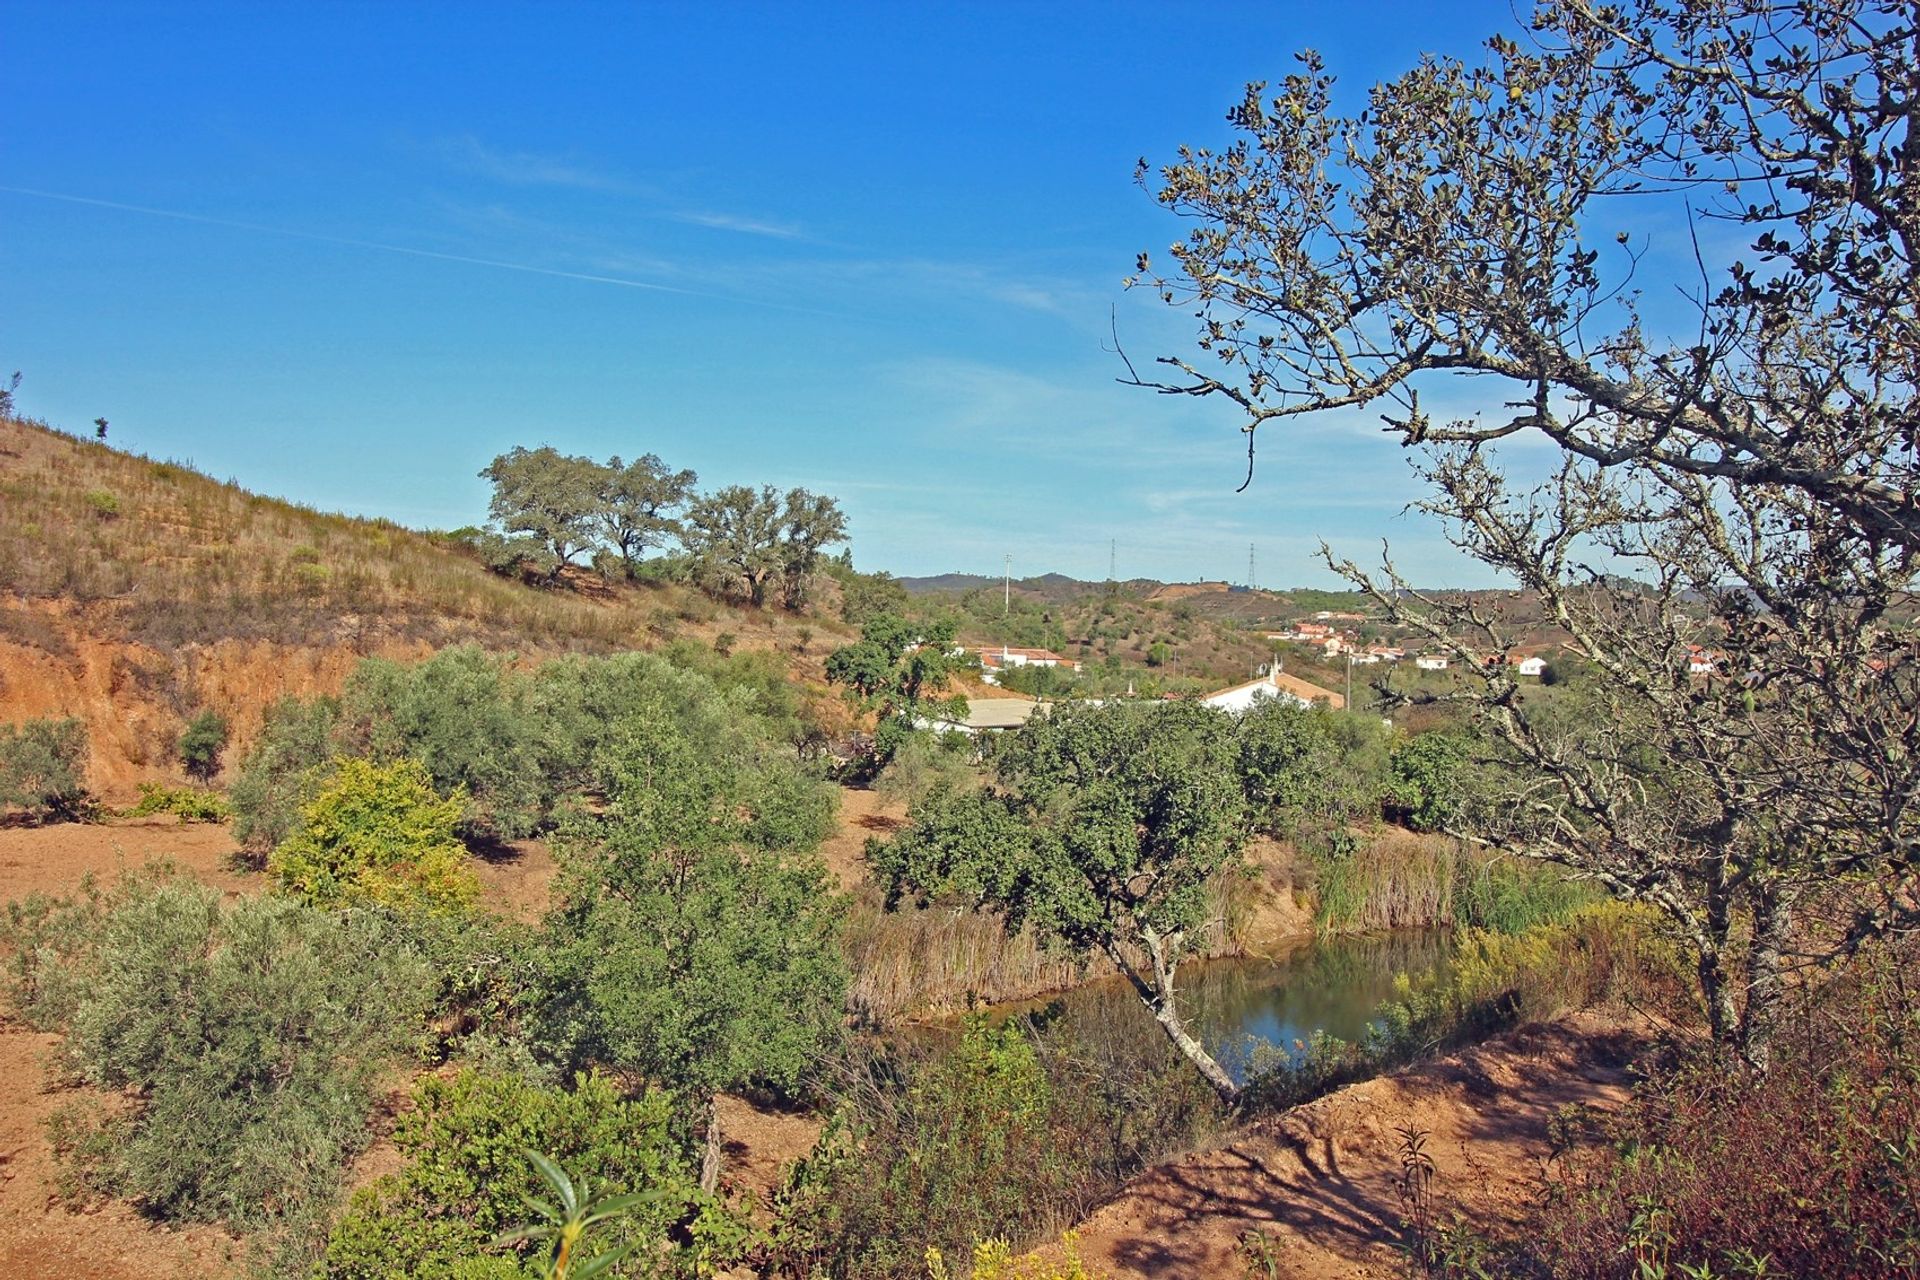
{"x":1157,"y":993}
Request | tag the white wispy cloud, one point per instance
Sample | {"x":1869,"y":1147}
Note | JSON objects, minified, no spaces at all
{"x":527,"y":168}
{"x":735,"y":222}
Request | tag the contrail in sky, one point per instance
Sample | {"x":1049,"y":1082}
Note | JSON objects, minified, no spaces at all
{"x":350,"y":243}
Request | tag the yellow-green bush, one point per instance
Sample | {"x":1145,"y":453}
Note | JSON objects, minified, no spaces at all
{"x":994,"y":1260}
{"x":378,"y":833}
{"x":189,"y":804}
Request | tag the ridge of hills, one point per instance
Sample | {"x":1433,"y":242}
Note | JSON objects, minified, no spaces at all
{"x":134,"y":592}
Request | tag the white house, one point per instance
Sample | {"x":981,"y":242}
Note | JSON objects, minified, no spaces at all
{"x":1431,"y":662}
{"x":1701,"y":662}
{"x":1242,"y":697}
{"x":985,"y":715}
{"x":995,"y":660}
{"x":1531,"y":665}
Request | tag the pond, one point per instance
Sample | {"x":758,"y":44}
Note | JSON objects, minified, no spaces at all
{"x":1236,"y":1006}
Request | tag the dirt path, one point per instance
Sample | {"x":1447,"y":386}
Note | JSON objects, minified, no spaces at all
{"x":1319,"y":1180}
{"x":863,"y":815}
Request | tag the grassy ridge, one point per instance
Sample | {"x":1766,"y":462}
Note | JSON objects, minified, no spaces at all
{"x":168,"y":556}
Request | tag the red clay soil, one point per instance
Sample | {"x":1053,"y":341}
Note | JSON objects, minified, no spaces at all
{"x":1319,"y":1180}
{"x":53,"y":859}
{"x":43,"y":1238}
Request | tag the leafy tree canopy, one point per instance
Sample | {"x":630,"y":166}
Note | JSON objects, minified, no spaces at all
{"x":747,"y":540}
{"x":636,"y":499}
{"x":552,"y":500}
{"x":1103,"y":829}
{"x":1746,"y":463}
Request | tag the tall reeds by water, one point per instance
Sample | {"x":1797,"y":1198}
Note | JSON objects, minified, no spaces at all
{"x":941,"y":959}
{"x":1396,"y":879}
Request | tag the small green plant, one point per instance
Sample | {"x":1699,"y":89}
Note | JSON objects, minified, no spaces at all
{"x":1259,"y":1256}
{"x":724,"y":642}
{"x":103,"y":504}
{"x":202,"y":743}
{"x":43,"y":768}
{"x":564,"y":1227}
{"x":189,"y":804}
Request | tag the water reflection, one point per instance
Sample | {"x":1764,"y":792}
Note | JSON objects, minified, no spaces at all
{"x":1239,"y":1007}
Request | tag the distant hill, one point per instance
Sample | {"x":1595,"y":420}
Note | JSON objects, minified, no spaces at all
{"x":134,"y":592}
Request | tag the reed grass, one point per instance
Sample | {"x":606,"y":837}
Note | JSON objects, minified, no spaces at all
{"x":927,"y":962}
{"x":1396,"y":879}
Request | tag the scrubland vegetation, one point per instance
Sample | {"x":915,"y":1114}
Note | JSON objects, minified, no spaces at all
{"x":1726,"y":853}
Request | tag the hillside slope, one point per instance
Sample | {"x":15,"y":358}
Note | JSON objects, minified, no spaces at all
{"x":134,"y":592}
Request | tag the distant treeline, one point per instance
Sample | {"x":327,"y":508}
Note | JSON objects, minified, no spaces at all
{"x":551,"y":510}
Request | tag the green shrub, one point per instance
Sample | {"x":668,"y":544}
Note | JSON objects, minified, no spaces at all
{"x":189,"y":804}
{"x":377,"y":833}
{"x":201,"y":744}
{"x":247,"y":1035}
{"x":284,"y":770}
{"x":43,"y":767}
{"x":463,"y":715}
{"x":103,"y":504}
{"x":1427,"y":779}
{"x":468,"y":1178}
{"x":697,"y":942}
{"x":1310,"y":773}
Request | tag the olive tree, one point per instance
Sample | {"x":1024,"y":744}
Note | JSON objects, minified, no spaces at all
{"x":748,"y":539}
{"x":1734,"y":470}
{"x":697,"y":940}
{"x":1103,"y":828}
{"x":548,"y":502}
{"x":637,"y":499}
{"x":43,"y":766}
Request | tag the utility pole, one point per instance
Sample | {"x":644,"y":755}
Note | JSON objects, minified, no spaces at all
{"x":1349,"y":706}
{"x":1006,"y":586}
{"x":1252,"y":582}
{"x":1113,"y":551}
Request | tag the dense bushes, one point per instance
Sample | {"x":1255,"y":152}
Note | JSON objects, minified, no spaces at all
{"x":250,"y":1034}
{"x":1810,"y":1170}
{"x":43,"y":767}
{"x":1309,"y":773}
{"x":463,"y":715}
{"x":283,"y":770}
{"x":1009,"y":1131}
{"x":522,"y":745}
{"x":467,"y":1180}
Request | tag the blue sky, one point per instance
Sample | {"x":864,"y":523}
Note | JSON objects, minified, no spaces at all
{"x":347,"y":253}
